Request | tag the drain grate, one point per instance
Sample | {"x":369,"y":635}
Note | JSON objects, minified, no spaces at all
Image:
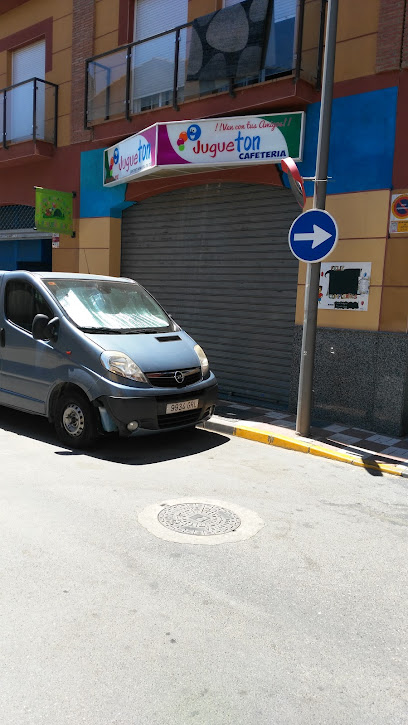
{"x":199,"y":519}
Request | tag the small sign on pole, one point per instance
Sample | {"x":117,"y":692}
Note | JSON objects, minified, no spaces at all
{"x":295,"y":180}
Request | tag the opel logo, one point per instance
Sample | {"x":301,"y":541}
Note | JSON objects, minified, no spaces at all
{"x":179,"y":376}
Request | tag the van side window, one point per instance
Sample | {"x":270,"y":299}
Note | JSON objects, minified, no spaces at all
{"x":23,"y":302}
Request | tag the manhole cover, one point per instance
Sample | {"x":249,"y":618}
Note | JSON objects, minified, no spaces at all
{"x":199,"y":519}
{"x":206,"y":522}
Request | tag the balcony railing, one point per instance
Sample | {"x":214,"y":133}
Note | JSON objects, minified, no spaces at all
{"x":28,"y":112}
{"x":177,"y":66}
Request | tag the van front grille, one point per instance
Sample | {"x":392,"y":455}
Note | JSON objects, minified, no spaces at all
{"x":174,"y":378}
{"x":174,"y":419}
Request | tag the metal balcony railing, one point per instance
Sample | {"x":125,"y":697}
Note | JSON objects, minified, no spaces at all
{"x":176,"y":66}
{"x":29,"y":111}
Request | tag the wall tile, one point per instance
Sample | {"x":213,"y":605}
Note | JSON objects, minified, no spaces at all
{"x":394,"y":309}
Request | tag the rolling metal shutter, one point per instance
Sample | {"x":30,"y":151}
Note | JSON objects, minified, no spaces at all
{"x":217,"y":258}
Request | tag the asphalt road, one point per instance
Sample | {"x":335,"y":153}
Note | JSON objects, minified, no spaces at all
{"x":104,"y":623}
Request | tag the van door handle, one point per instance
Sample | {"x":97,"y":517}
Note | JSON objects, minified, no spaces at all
{"x":2,"y":337}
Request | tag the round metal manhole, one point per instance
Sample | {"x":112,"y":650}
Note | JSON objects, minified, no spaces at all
{"x":199,"y":519}
{"x":202,"y":521}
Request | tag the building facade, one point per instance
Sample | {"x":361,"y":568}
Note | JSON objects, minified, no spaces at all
{"x":79,"y":76}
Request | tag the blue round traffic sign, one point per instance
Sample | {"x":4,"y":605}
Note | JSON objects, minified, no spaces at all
{"x":313,"y":235}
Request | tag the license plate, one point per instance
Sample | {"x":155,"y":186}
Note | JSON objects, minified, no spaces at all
{"x":180,"y":407}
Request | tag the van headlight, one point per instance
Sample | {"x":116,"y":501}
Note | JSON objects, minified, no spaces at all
{"x":121,"y":364}
{"x":205,"y":366}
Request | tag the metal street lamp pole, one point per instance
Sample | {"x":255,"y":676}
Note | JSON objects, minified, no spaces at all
{"x":319,"y":202}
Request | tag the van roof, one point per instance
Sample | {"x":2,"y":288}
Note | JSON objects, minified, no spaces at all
{"x":66,"y":275}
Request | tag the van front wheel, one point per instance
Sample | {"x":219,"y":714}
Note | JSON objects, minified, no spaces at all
{"x":75,"y":420}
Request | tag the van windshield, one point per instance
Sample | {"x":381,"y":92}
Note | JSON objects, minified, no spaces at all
{"x":105,"y":306}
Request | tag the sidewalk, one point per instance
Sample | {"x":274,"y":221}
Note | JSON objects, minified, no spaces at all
{"x":360,"y":447}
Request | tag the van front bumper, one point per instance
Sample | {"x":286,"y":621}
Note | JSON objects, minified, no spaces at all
{"x":150,"y":412}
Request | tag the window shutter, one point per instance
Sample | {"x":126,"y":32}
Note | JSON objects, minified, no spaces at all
{"x":29,"y":62}
{"x":152,"y":17}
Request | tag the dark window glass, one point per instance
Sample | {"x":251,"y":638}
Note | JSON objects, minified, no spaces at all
{"x":23,"y":303}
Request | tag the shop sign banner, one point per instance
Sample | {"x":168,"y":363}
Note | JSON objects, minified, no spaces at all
{"x":217,"y":142}
{"x":344,"y":286}
{"x":399,"y":214}
{"x":233,"y":141}
{"x":131,"y":158}
{"x":53,"y":211}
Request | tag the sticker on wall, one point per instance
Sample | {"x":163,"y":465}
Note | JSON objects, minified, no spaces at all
{"x":344,"y":286}
{"x":399,"y":214}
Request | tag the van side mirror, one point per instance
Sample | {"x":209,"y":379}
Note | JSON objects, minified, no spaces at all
{"x":52,"y":329}
{"x":45,"y":329}
{"x":40,"y":323}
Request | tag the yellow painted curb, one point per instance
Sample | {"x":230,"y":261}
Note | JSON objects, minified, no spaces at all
{"x":387,"y":468}
{"x":290,"y":443}
{"x":253,"y":435}
{"x":327,"y":453}
{"x":382,"y":467}
{"x":262,"y":436}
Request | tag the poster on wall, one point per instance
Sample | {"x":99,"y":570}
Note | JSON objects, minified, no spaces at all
{"x":344,"y":286}
{"x":53,"y":211}
{"x":399,"y":213}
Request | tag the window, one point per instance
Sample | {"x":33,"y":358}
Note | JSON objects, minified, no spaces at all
{"x":27,"y":63}
{"x":281,"y":44}
{"x":153,"y":61}
{"x":23,"y":303}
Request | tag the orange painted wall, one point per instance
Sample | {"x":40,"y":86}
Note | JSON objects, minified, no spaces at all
{"x":356,"y":38}
{"x":362,"y":220}
{"x":106,"y":25}
{"x":196,"y":8}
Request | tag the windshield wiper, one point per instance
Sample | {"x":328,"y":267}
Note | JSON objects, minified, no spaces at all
{"x":142,"y":331}
{"x":123,"y":330}
{"x":102,"y":330}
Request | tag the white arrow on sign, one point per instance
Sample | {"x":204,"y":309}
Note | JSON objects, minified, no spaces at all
{"x":318,"y":236}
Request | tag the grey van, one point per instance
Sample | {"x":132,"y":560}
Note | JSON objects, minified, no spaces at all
{"x":98,"y":354}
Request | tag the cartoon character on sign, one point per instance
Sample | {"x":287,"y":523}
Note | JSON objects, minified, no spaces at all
{"x":320,"y":294}
{"x":192,"y":134}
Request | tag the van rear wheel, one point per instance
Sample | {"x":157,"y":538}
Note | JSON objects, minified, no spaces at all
{"x":75,"y":420}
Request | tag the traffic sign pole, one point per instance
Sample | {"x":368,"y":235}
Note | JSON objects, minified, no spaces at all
{"x":319,"y":202}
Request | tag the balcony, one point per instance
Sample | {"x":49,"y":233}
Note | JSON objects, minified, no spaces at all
{"x":181,"y":65}
{"x":28,"y":120}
